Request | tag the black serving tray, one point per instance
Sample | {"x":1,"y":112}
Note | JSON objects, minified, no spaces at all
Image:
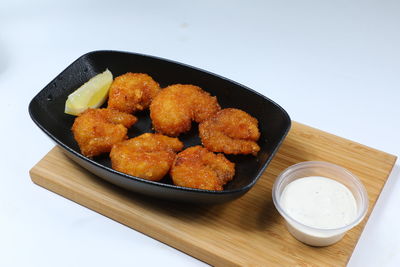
{"x":47,"y":111}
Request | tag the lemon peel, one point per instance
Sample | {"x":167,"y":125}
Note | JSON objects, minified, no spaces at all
{"x":91,"y":94}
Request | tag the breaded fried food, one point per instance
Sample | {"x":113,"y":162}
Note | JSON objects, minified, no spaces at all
{"x":148,"y":156}
{"x":97,"y":130}
{"x":175,"y":107}
{"x":196,"y":167}
{"x":132,"y":92}
{"x":231,"y":131}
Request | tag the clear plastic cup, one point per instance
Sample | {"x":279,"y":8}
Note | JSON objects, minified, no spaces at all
{"x":320,"y":236}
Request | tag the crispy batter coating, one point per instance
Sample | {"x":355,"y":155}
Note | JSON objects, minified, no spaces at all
{"x":132,"y":92}
{"x":148,"y":156}
{"x":196,"y":167}
{"x":97,"y":130}
{"x":231,"y":131}
{"x":175,"y":107}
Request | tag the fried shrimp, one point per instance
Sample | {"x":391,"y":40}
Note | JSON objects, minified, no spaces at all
{"x":196,"y":167}
{"x":231,"y":131}
{"x":132,"y":92}
{"x":97,"y":130}
{"x":148,"y":156}
{"x":175,"y":107}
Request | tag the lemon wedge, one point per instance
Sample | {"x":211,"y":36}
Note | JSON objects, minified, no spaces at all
{"x":91,"y":94}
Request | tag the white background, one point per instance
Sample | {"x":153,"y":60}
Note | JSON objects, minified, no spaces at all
{"x":334,"y":65}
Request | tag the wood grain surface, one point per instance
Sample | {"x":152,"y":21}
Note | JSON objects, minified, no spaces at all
{"x":247,"y":231}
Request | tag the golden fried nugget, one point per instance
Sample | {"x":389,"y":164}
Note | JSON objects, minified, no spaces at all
{"x":97,"y":130}
{"x":231,"y":131}
{"x":196,"y":167}
{"x":132,"y":92}
{"x":148,"y":156}
{"x":175,"y":107}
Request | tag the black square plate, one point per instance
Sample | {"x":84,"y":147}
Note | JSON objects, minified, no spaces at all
{"x":47,"y":111}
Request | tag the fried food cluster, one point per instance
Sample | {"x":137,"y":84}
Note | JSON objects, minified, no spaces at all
{"x":231,"y":131}
{"x":175,"y":107}
{"x":97,"y":130}
{"x":132,"y":92}
{"x":196,"y":167}
{"x":148,"y":156}
{"x":172,"y":111}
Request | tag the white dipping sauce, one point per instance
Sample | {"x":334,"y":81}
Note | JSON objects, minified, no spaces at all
{"x":321,"y":203}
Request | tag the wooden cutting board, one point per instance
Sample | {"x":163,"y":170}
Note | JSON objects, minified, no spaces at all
{"x":247,"y":231}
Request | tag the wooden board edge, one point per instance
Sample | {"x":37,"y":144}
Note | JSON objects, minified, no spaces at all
{"x":365,"y":221}
{"x":137,"y":224}
{"x":298,"y":124}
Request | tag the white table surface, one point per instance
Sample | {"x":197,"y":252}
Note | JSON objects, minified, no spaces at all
{"x":334,"y":65}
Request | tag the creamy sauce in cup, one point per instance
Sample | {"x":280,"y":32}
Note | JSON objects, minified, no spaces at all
{"x":321,"y":203}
